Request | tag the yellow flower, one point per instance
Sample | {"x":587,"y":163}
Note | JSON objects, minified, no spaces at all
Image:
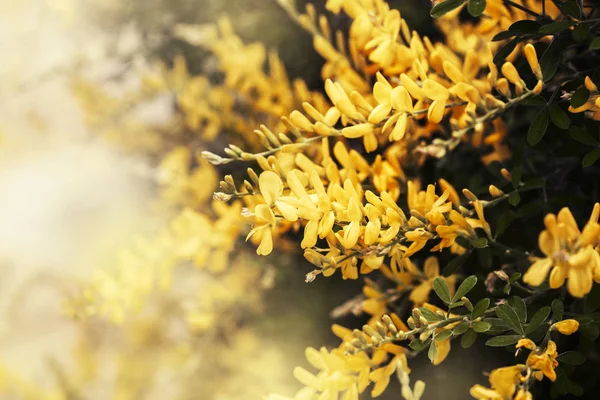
{"x":566,"y":327}
{"x":545,"y":362}
{"x":569,"y":253}
{"x":504,"y":383}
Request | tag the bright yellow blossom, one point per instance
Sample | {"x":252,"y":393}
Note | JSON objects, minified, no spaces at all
{"x":570,"y":253}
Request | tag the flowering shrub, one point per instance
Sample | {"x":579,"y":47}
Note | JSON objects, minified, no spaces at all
{"x":368,"y":176}
{"x":424,"y":168}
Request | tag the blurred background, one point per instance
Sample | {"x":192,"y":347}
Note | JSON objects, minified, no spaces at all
{"x":70,"y":200}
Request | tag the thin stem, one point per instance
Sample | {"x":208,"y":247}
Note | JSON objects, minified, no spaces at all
{"x":522,"y":8}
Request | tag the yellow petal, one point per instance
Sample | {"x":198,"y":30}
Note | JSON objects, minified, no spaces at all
{"x":435,"y":113}
{"x":538,"y":271}
{"x":270,"y":185}
{"x":435,"y":90}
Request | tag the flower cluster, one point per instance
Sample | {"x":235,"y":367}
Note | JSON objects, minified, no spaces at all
{"x":570,"y":253}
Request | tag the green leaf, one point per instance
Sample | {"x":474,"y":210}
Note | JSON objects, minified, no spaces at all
{"x":520,"y":308}
{"x":460,"y":328}
{"x":559,"y":117}
{"x":505,"y":51}
{"x":533,"y":184}
{"x":580,"y":33}
{"x":504,"y":340}
{"x":561,"y":384}
{"x":580,"y":96}
{"x":468,"y":339}
{"x":465,"y":287}
{"x":480,"y":308}
{"x":555,"y":27}
{"x":534,"y":101}
{"x":538,"y":319}
{"x":517,"y":174}
{"x":538,"y":127}
{"x":503,"y":223}
{"x":445,"y":7}
{"x":430,"y":315}
{"x":481,"y":326}
{"x":524,"y":26}
{"x":508,"y":315}
{"x":591,"y":158}
{"x":433,"y":352}
{"x":590,"y":331}
{"x":503,"y":36}
{"x":443,"y":335}
{"x":418,"y":345}
{"x":476,"y":7}
{"x":558,"y":309}
{"x":497,"y":324}
{"x":514,"y":199}
{"x":582,"y":136}
{"x":592,"y":300}
{"x":507,"y":287}
{"x":595,"y":45}
{"x":571,"y":358}
{"x":576,"y":389}
{"x":514,"y":277}
{"x":551,"y":58}
{"x":570,"y":8}
{"x":455,"y":264}
{"x":479,"y":243}
{"x":441,"y":289}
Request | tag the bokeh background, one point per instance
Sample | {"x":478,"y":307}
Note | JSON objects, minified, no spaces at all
{"x":69,"y":199}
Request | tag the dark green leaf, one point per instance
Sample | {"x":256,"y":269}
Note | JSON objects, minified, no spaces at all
{"x":562,"y":381}
{"x":533,"y":184}
{"x":481,"y":326}
{"x":533,"y":101}
{"x":576,"y":389}
{"x":550,"y":59}
{"x":590,"y":331}
{"x":441,"y":289}
{"x":455,"y":305}
{"x":570,"y":8}
{"x":476,"y":7}
{"x":503,"y":36}
{"x":558,"y":309}
{"x":468,"y":339}
{"x":580,"y":96}
{"x":505,"y":51}
{"x":538,"y":127}
{"x":465,"y":287}
{"x":555,"y":27}
{"x":501,"y":341}
{"x":571,"y":358}
{"x":443,"y":335}
{"x":581,"y":135}
{"x":497,"y":324}
{"x":460,"y":328}
{"x":433,"y":352}
{"x":508,"y":315}
{"x":430,"y":315}
{"x":507,"y":287}
{"x":480,"y":308}
{"x":479,"y":243}
{"x":580,"y":33}
{"x":517,"y":174}
{"x":591,"y":158}
{"x":592,"y":300}
{"x":520,"y":308}
{"x":514,"y":199}
{"x":559,"y":117}
{"x":455,"y":264}
{"x":538,"y":319}
{"x":524,"y":26}
{"x":418,"y":345}
{"x":503,"y":223}
{"x":595,"y":45}
{"x":445,"y":7}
